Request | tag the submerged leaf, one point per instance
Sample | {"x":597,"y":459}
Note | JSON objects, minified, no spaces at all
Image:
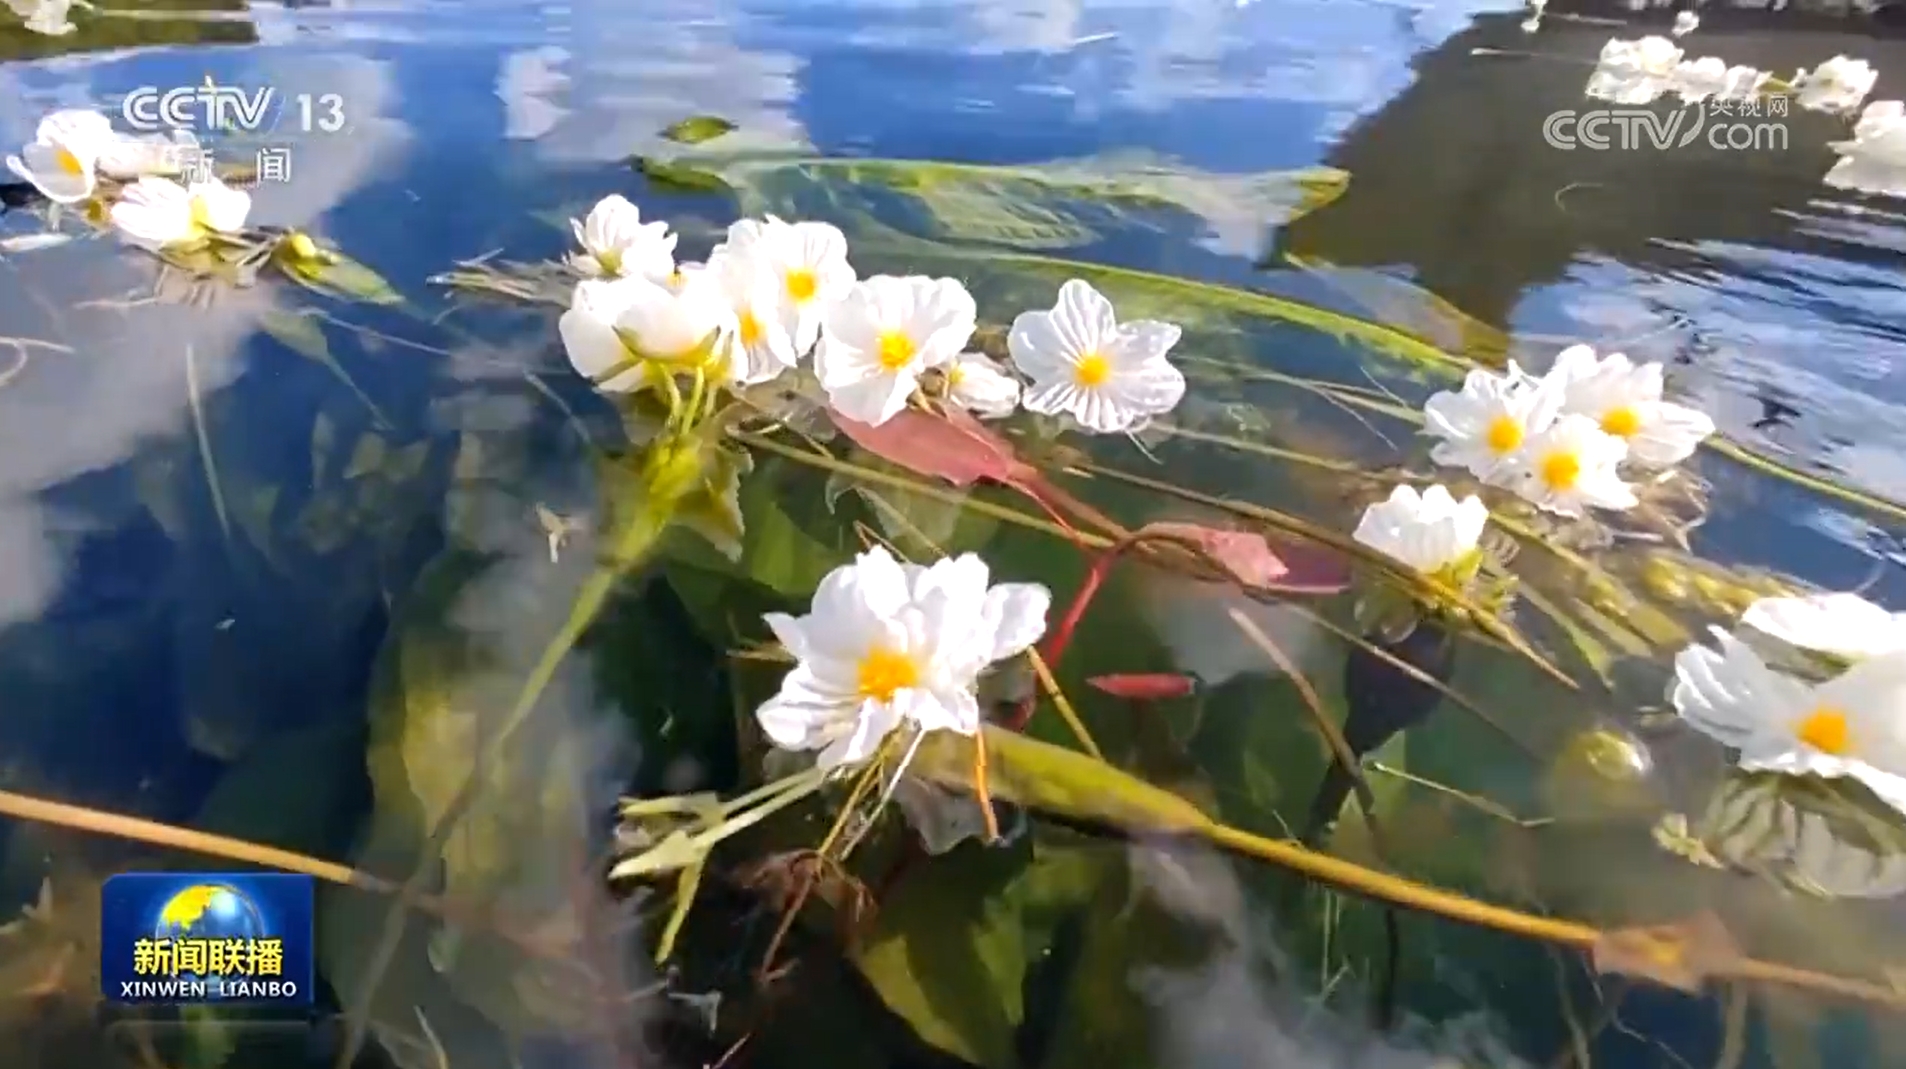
{"x":679,"y":176}
{"x":1054,"y":780}
{"x":1682,"y":956}
{"x":952,"y":446}
{"x":1145,"y":687}
{"x":1247,"y":557}
{"x":697,"y":129}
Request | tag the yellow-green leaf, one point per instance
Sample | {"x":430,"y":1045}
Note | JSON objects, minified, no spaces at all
{"x":1055,"y":780}
{"x":679,"y":176}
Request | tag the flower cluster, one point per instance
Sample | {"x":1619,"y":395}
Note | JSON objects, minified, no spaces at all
{"x":1874,"y":161}
{"x":1847,"y":719}
{"x":1641,"y":71}
{"x":1561,"y":441}
{"x":775,"y":294}
{"x":72,"y":149}
{"x":889,"y":645}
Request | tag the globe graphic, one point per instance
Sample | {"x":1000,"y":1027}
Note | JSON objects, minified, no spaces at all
{"x":208,"y":911}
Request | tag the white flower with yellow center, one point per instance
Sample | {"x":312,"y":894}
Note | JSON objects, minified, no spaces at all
{"x":975,"y":382}
{"x":1624,"y":399}
{"x":159,"y":213}
{"x":1840,"y":84}
{"x":1487,"y":422}
{"x":623,"y":333}
{"x":1840,"y":625}
{"x":878,"y":340}
{"x":1111,"y":377}
{"x":616,"y":243}
{"x":1851,"y":725}
{"x":65,"y":149}
{"x":1430,"y":532}
{"x":127,"y":157}
{"x":1572,"y":467}
{"x":887,"y":644}
{"x":808,"y":261}
{"x":764,"y":349}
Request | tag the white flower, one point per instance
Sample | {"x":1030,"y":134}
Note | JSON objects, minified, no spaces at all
{"x":1430,"y":532}
{"x":809,"y":263}
{"x":127,"y":157}
{"x":1624,"y":399}
{"x":159,"y":213}
{"x":1875,"y":160}
{"x":621,"y":333}
{"x":978,"y":384}
{"x":1685,"y":23}
{"x":1843,"y":625}
{"x":616,"y":243}
{"x":876,"y":341}
{"x":887,"y":643}
{"x":1852,"y":725}
{"x":1839,"y":84}
{"x":1484,"y":424}
{"x":754,"y":295}
{"x":1710,"y":77}
{"x":1572,"y":466}
{"x":1634,"y":72}
{"x":1110,"y":377}
{"x":65,"y":149}
{"x":44,"y":16}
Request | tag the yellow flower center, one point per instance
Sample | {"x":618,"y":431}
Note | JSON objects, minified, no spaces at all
{"x":64,"y":159}
{"x":1825,"y":729}
{"x":896,"y":350}
{"x":202,"y":214}
{"x":750,"y":329}
{"x":954,"y":376}
{"x":611,"y":261}
{"x":883,"y":672}
{"x":1093,"y":369}
{"x":1560,"y":470}
{"x":1504,"y":435}
{"x":800,"y":284}
{"x":675,"y":279}
{"x":1621,"y":422}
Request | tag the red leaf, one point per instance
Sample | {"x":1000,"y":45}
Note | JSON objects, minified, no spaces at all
{"x":1145,"y":687}
{"x":1251,"y":560}
{"x":953,"y":446}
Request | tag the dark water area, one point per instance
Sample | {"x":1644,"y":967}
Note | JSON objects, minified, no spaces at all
{"x":219,"y":521}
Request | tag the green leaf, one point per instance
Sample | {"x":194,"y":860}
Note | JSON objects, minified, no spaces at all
{"x":680,"y":177}
{"x":302,"y":335}
{"x":1051,"y":779}
{"x":297,"y":790}
{"x":700,"y":128}
{"x":953,"y":942}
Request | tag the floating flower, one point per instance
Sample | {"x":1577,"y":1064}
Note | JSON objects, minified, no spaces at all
{"x":1839,"y":84}
{"x":1431,"y":532}
{"x":63,"y":154}
{"x":878,"y":340}
{"x":1852,"y":725}
{"x":128,"y":157}
{"x":1624,"y":399}
{"x":754,"y":293}
{"x":1635,"y":72}
{"x":623,"y":333}
{"x":1572,"y":466}
{"x":47,"y":17}
{"x":1484,"y":424}
{"x":1709,"y":77}
{"x":887,"y":644}
{"x":809,"y":264}
{"x":1685,"y":22}
{"x":616,"y":243}
{"x":1841,"y":625}
{"x":1110,"y":377}
{"x":1875,"y":160}
{"x":160,"y":213}
{"x":978,"y":384}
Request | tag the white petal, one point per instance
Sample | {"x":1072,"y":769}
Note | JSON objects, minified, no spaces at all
{"x":225,"y":207}
{"x":1845,"y":625}
{"x":1015,"y":614}
{"x":46,"y":165}
{"x":873,"y":399}
{"x":1732,"y":696}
